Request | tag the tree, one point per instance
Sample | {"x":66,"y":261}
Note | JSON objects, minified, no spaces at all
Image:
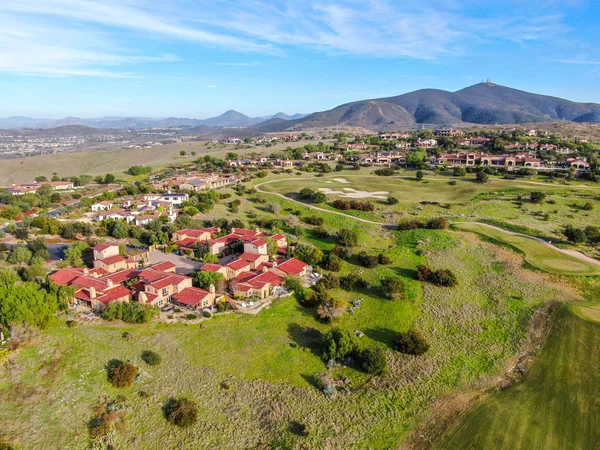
{"x":411,"y":343}
{"x":393,"y":288}
{"x":373,"y":360}
{"x":272,"y":247}
{"x":121,"y":374}
{"x":8,"y":277}
{"x":74,"y":254}
{"x":347,"y":238}
{"x":481,"y":177}
{"x":231,"y":156}
{"x":205,"y":279}
{"x":120,"y":230}
{"x":575,"y":235}
{"x":308,"y":254}
{"x":109,"y":178}
{"x":45,"y":190}
{"x":537,"y":196}
{"x":181,"y":412}
{"x":39,"y":249}
{"x":182,"y":153}
{"x":459,"y":171}
{"x":26,"y":303}
{"x":338,"y":344}
{"x":419,"y":175}
{"x":392,"y":200}
{"x":131,"y":312}
{"x":332,"y":262}
{"x":19,"y":255}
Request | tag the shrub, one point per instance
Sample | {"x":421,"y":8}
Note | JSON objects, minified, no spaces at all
{"x":442,"y":277}
{"x":181,"y":412}
{"x":481,"y":177}
{"x":346,"y":205}
{"x":121,"y":374}
{"x":383,"y":259}
{"x":314,"y":220}
{"x":368,"y":261}
{"x":411,"y":343}
{"x":330,"y":281}
{"x":392,"y":200}
{"x":338,"y":344}
{"x":393,"y":288}
{"x":537,"y":196}
{"x":452,"y":183}
{"x":347,"y":238}
{"x":384,"y":172}
{"x":419,"y":175}
{"x":373,"y":360}
{"x":332,"y":263}
{"x":321,"y":232}
{"x":352,"y":282}
{"x":437,"y":223}
{"x":131,"y":312}
{"x":151,"y":358}
{"x":588,"y":206}
{"x":459,"y":172}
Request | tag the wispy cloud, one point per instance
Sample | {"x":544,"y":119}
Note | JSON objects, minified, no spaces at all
{"x":579,"y":61}
{"x":210,"y":86}
{"x":92,"y":38}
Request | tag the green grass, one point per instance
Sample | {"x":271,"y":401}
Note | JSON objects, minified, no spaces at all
{"x":554,"y":407}
{"x":536,"y":253}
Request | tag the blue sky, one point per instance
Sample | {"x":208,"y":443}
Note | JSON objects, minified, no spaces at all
{"x":188,"y":58}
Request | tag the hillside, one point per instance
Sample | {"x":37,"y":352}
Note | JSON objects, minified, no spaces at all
{"x":483,"y":103}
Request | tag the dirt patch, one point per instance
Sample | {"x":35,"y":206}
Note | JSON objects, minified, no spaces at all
{"x":341,"y":180}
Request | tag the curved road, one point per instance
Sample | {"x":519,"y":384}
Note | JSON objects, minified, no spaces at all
{"x":573,"y":253}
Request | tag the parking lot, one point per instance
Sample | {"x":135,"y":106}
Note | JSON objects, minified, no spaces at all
{"x":185,"y":266}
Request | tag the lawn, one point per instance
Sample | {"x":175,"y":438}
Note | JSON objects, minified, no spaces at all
{"x":536,"y":253}
{"x":554,"y":407}
{"x":49,"y":389}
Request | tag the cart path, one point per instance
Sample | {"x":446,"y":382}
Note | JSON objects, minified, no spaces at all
{"x":574,"y":253}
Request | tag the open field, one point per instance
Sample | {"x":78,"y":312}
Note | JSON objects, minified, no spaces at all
{"x":117,"y":161}
{"x":269,"y":360}
{"x":537,"y":253}
{"x":555,"y":407}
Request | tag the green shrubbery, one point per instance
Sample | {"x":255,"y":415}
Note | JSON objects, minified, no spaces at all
{"x":181,"y":412}
{"x":131,"y":312}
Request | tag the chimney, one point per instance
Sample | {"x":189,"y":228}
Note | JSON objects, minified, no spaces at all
{"x":92,"y":291}
{"x":211,"y":289}
{"x":109,"y":282}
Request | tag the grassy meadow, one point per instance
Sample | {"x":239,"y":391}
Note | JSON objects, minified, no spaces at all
{"x":556,"y":404}
{"x":536,"y":253}
{"x":270,"y":360}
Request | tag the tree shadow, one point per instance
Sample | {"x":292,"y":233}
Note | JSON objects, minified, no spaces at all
{"x":384,"y":335}
{"x":305,"y":337}
{"x":406,"y":272}
{"x":312,"y":379}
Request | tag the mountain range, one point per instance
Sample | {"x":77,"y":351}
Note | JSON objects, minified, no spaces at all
{"x":482,"y":103}
{"x":230,"y":118}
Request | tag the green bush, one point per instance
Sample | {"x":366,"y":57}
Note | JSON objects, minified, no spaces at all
{"x":121,"y":374}
{"x":151,"y":358}
{"x":181,"y":412}
{"x":411,"y":343}
{"x":338,"y":344}
{"x":373,"y":360}
{"x":131,"y":312}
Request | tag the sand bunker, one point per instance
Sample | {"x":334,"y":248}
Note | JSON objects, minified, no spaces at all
{"x":353,"y":193}
{"x":341,"y":180}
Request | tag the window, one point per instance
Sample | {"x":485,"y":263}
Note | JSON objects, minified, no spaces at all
{"x":165,"y":291}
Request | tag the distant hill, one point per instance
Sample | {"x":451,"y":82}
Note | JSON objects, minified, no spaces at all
{"x":483,"y":103}
{"x":230,"y":118}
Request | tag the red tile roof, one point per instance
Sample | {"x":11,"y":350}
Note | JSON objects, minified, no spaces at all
{"x":238,"y":264}
{"x":163,"y":266}
{"x":191,"y":296}
{"x":121,"y":276}
{"x":112,"y":260}
{"x":292,"y":266}
{"x":101,"y":247}
{"x":259,"y":243}
{"x":250,"y":256}
{"x":188,"y":242}
{"x":65,"y":277}
{"x":211,"y":267}
{"x":115,"y":293}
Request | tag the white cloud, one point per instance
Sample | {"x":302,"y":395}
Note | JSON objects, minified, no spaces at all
{"x":579,"y":61}
{"x":94,"y":38}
